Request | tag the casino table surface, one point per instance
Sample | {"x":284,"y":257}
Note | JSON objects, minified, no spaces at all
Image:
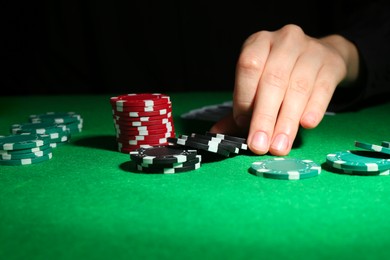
{"x":87,"y":203}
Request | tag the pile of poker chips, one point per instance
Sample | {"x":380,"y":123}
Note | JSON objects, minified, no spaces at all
{"x":60,"y":126}
{"x":373,"y":160}
{"x":165,"y":159}
{"x":142,"y":120}
{"x":71,"y":120}
{"x":221,"y":144}
{"x":32,"y":142}
{"x":25,"y":149}
{"x":285,"y":168}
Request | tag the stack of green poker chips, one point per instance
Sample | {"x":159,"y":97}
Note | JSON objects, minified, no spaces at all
{"x":58,"y":134}
{"x":285,"y":168}
{"x":72,"y":120}
{"x":25,"y":149}
{"x":359,"y":162}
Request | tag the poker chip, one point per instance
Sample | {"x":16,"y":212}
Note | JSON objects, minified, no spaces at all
{"x":241,"y":145}
{"x":139,"y":99}
{"x":17,"y":156}
{"x":191,"y":162}
{"x":72,"y":121}
{"x":212,"y":143}
{"x":361,"y":173}
{"x":362,"y":161}
{"x":37,"y":128}
{"x":27,"y":161}
{"x":285,"y":168}
{"x":162,"y":155}
{"x":169,"y":170}
{"x":27,"y":150}
{"x":23,"y":141}
{"x":385,"y":144}
{"x":57,"y":133}
{"x":210,"y":147}
{"x":227,"y":137}
{"x":142,"y":120}
{"x":373,"y":147}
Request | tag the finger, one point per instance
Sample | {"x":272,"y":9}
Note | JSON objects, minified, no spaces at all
{"x":326,"y":82}
{"x":248,"y":70}
{"x":297,"y":95}
{"x":272,"y":88}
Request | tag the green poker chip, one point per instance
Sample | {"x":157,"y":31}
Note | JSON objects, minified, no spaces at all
{"x":23,"y":141}
{"x":28,"y":150}
{"x":55,"y":117}
{"x":361,"y":173}
{"x":285,"y":168}
{"x":38,"y":128}
{"x":363,"y":161}
{"x":27,"y":161}
{"x":18,"y":156}
{"x":372,"y":147}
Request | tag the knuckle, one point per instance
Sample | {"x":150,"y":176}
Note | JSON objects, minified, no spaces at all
{"x":264,"y":118}
{"x":292,"y":31}
{"x":326,"y":86}
{"x":249,"y":62}
{"x":300,"y":86}
{"x":276,"y":79}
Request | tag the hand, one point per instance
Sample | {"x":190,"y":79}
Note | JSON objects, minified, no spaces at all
{"x":285,"y":79}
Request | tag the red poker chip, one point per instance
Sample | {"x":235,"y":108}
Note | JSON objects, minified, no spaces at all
{"x":143,"y":123}
{"x":142,"y":109}
{"x":142,"y":119}
{"x":140,"y":99}
{"x":143,"y":137}
{"x":139,"y":142}
{"x":144,"y":128}
{"x":143,"y":114}
{"x":132,"y":146}
{"x":148,"y":132}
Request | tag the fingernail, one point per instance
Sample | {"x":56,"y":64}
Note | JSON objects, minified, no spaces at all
{"x":242,"y":121}
{"x":280,"y":143}
{"x":260,"y":141}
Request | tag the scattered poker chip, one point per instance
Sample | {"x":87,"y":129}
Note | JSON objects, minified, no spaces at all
{"x":169,"y":170}
{"x":162,"y":155}
{"x":211,"y":147}
{"x":285,"y":168}
{"x":363,"y":161}
{"x":27,"y":161}
{"x":239,"y":145}
{"x":372,"y":147}
{"x":226,"y":146}
{"x":23,"y":141}
{"x":227,"y":137}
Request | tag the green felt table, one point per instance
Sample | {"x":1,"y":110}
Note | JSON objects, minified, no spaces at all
{"x":85,"y":203}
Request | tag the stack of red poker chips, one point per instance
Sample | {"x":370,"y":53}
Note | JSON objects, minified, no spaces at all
{"x":142,"y":120}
